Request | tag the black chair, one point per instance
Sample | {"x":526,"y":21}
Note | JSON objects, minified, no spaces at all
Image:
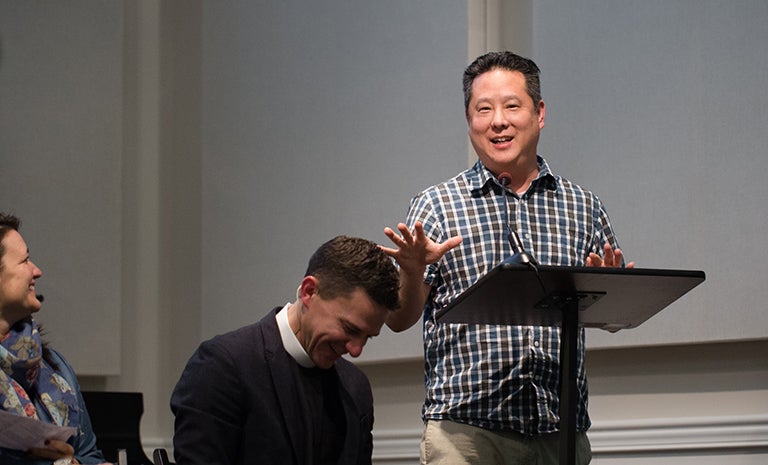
{"x":116,"y":417}
{"x":161,"y":457}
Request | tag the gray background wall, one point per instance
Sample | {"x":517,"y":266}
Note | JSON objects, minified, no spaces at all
{"x":61,"y":113}
{"x":661,"y":110}
{"x":176,"y":162}
{"x":301,"y":144}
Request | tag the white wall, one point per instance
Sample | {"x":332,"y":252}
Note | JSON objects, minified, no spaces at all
{"x":669,"y":100}
{"x":61,"y":139}
{"x":306,"y":137}
{"x":210,"y":140}
{"x":682,"y":404}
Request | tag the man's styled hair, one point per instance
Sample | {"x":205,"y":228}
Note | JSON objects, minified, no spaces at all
{"x":503,"y":60}
{"x":344,"y":264}
{"x":7,"y":223}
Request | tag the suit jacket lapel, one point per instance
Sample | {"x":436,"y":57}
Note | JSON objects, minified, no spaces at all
{"x":283,"y":370}
{"x":354,"y":423}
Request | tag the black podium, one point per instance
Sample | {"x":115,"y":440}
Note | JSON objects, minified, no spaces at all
{"x":569,"y":297}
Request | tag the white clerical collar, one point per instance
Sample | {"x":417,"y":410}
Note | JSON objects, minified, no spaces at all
{"x":290,"y":342}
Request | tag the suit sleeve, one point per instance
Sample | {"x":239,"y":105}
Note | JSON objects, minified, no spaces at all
{"x":368,"y":434}
{"x":359,"y":388}
{"x":208,"y":407}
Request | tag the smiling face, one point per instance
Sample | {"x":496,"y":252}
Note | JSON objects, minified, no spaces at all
{"x":330,"y":328}
{"x":17,"y":280}
{"x":504,"y":123}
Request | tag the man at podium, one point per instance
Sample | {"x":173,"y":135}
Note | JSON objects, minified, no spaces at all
{"x":492,"y":392}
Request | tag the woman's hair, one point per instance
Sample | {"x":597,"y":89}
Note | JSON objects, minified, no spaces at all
{"x":7,"y":223}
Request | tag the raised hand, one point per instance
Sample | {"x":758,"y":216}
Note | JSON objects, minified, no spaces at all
{"x":415,"y":250}
{"x":413,"y":253}
{"x":611,"y":258}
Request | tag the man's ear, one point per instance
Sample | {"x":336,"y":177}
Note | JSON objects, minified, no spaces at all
{"x":307,"y":289}
{"x":542,"y":113}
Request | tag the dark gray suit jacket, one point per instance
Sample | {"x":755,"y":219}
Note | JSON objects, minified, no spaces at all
{"x":238,"y":402}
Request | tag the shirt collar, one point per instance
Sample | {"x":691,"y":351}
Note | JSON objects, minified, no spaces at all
{"x":481,"y":179}
{"x":290,"y":341}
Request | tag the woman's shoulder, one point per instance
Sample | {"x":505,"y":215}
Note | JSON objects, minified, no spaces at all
{"x":60,"y":365}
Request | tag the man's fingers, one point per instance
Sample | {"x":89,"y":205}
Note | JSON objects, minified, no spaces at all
{"x":608,"y":257}
{"x":594,"y":260}
{"x":388,"y":251}
{"x":405,"y":234}
{"x":449,"y":244}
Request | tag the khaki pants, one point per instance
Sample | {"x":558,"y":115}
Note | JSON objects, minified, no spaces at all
{"x":451,"y":443}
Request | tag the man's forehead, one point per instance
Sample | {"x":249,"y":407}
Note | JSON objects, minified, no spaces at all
{"x":367,"y":318}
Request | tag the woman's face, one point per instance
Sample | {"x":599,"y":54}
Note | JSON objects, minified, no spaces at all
{"x":17,"y":280}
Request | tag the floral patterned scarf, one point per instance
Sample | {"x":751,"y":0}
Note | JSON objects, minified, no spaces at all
{"x":25,"y":376}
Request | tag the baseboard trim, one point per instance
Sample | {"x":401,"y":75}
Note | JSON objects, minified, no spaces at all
{"x":680,"y":434}
{"x":396,"y":444}
{"x":725,"y":433}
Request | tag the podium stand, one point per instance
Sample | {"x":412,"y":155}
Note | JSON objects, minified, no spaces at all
{"x":569,"y":297}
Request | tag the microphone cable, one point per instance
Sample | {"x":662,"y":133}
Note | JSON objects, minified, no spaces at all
{"x":520,"y":257}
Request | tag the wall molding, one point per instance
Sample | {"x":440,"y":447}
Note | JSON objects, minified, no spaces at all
{"x":667,"y":435}
{"x":680,"y":434}
{"x":724,"y":433}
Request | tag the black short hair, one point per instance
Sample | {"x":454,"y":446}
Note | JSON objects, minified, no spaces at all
{"x":503,"y":60}
{"x":345,"y":263}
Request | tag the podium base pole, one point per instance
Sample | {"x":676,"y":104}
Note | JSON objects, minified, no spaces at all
{"x":569,"y":344}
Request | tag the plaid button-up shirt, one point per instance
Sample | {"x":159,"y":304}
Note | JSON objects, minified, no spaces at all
{"x":502,"y":377}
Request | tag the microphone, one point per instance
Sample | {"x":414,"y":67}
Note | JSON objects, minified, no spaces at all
{"x":520,"y":256}
{"x":40,"y":297}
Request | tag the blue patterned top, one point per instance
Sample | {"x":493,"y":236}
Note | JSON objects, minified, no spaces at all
{"x":84,"y":439}
{"x":502,"y":377}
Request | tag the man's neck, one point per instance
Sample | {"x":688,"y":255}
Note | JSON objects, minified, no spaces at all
{"x":520,"y":177}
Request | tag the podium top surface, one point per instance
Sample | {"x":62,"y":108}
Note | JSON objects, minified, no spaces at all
{"x":607,"y":298}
